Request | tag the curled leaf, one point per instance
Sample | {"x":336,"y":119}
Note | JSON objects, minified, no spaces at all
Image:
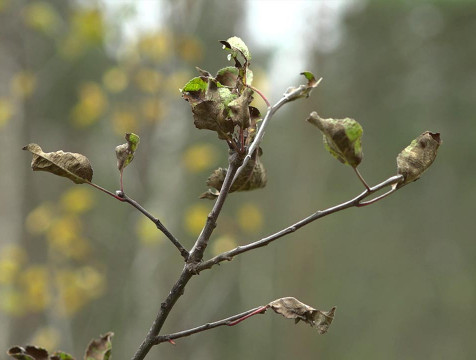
{"x":99,"y":349}
{"x":303,"y":91}
{"x":236,"y":46}
{"x":28,"y":353}
{"x":252,"y":177}
{"x":413,"y":161}
{"x":60,"y":355}
{"x":125,"y":152}
{"x":291,"y":308}
{"x":342,"y":138}
{"x":73,"y":166}
{"x":228,"y":76}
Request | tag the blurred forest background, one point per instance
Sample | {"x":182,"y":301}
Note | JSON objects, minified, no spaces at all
{"x":75,"y":263}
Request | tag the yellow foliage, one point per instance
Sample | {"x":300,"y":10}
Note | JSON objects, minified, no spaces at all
{"x":64,"y":237}
{"x":115,"y":79}
{"x":35,"y":288}
{"x":47,"y":337}
{"x":148,"y":80}
{"x":88,"y":25}
{"x":152,"y":109}
{"x":195,"y":218}
{"x":77,"y":200}
{"x":154,"y":46}
{"x":6,"y":111}
{"x":92,"y":104}
{"x":124,"y":121}
{"x":250,"y":218}
{"x":148,"y":233}
{"x":4,"y":4}
{"x":41,"y":16}
{"x":190,"y":49}
{"x":72,"y":46}
{"x":8,"y":271}
{"x":15,"y":253}
{"x":222,"y":244}
{"x":40,"y":218}
{"x":23,"y":84}
{"x":12,"y":302}
{"x":77,"y":287}
{"x":199,"y":157}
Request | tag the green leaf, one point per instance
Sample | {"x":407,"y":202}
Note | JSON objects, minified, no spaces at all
{"x":125,"y":152}
{"x":342,"y":138}
{"x":252,"y":177}
{"x":28,"y":353}
{"x":60,"y":355}
{"x":195,"y":84}
{"x":73,"y":166}
{"x":292,"y":308}
{"x":237,"y":46}
{"x":417,"y":157}
{"x":99,"y":349}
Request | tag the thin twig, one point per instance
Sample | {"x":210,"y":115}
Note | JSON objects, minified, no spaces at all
{"x":106,"y":191}
{"x":260,"y":94}
{"x":355,"y":202}
{"x":229,"y":321}
{"x":157,"y":223}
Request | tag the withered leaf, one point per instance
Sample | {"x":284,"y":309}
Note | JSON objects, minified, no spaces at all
{"x":125,"y":152}
{"x":99,"y":349}
{"x":342,"y":138}
{"x":252,"y":177}
{"x":413,"y":161}
{"x":28,"y":353}
{"x":291,"y":308}
{"x":228,"y":76}
{"x":60,"y":355}
{"x":240,"y":109}
{"x":73,"y":166}
{"x":236,"y":46}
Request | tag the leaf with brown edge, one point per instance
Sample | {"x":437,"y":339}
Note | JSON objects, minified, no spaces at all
{"x":99,"y":349}
{"x":28,"y":353}
{"x":291,"y":308}
{"x":125,"y":152}
{"x":73,"y":166}
{"x":60,"y":355}
{"x":236,"y":45}
{"x":252,"y":177}
{"x":342,"y":138}
{"x":417,"y":157}
{"x":240,"y":109}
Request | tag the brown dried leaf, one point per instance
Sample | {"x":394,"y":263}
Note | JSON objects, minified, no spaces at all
{"x":252,"y":177}
{"x":413,"y":161}
{"x":99,"y":349}
{"x":28,"y":353}
{"x":73,"y":166}
{"x":291,"y":308}
{"x":240,"y":109}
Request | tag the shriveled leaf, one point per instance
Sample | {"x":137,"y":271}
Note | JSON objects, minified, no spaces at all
{"x":60,"y":355}
{"x":342,"y":138}
{"x":252,"y":177}
{"x":125,"y":152}
{"x":210,"y":194}
{"x":291,"y":308}
{"x":413,"y":161}
{"x":228,"y":76}
{"x":303,"y":91}
{"x":240,"y":109}
{"x":203,"y":72}
{"x":73,"y":166}
{"x":236,"y":46}
{"x":28,"y":353}
{"x":99,"y":349}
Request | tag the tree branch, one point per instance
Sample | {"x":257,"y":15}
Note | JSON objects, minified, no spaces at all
{"x":229,"y":321}
{"x":355,"y":202}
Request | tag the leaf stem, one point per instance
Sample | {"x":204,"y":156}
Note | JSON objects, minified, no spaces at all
{"x":361,"y":178}
{"x":355,"y":202}
{"x":106,"y":191}
{"x":229,"y":321}
{"x":260,"y":94}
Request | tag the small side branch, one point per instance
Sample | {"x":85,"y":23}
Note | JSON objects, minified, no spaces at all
{"x":355,"y":202}
{"x":157,"y":223}
{"x":229,"y":321}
